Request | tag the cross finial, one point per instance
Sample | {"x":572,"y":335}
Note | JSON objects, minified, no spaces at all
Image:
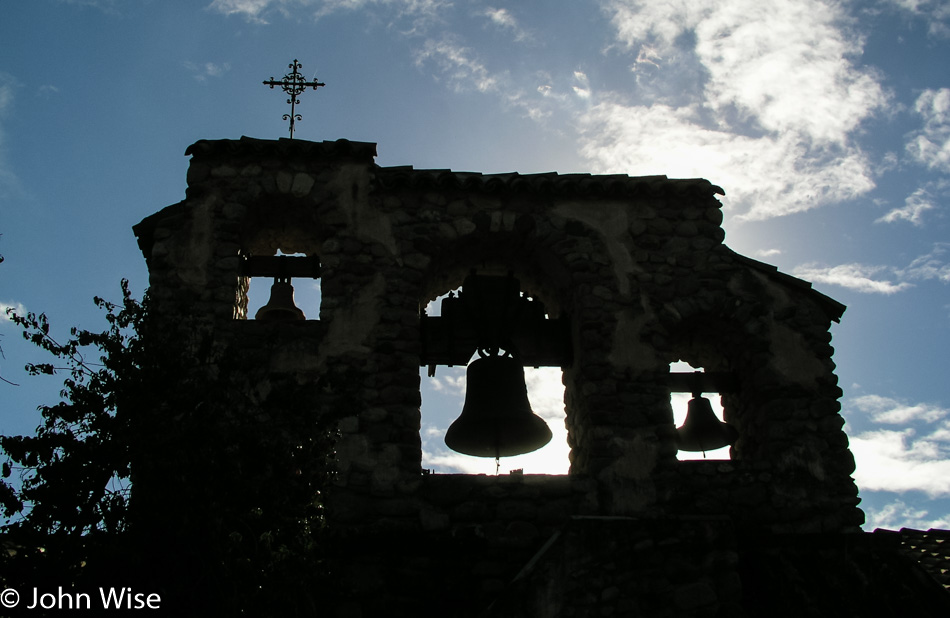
{"x":293,"y":84}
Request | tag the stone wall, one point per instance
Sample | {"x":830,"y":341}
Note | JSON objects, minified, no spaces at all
{"x":637,"y":266}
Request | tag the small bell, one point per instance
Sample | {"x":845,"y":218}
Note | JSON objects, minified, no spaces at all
{"x":280,"y":307}
{"x":702,"y":431}
{"x":497,"y":420}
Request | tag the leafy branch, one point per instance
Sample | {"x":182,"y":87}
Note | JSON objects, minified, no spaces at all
{"x":74,"y":471}
{"x":228,"y":477}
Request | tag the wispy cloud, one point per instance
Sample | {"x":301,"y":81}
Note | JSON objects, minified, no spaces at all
{"x":915,"y":457}
{"x":452,"y":385}
{"x":17,"y":308}
{"x":890,"y":411}
{"x":8,"y":180}
{"x":546,"y":395}
{"x":931,"y":144}
{"x":581,"y":85}
{"x":251,"y":10}
{"x":257,"y":11}
{"x":203,"y":70}
{"x":502,"y":18}
{"x":857,"y":277}
{"x":764,"y":176}
{"x":8,"y":86}
{"x":901,"y":461}
{"x":929,"y":266}
{"x":460,"y":64}
{"x":760,"y":62}
{"x":915,"y":205}
{"x":765,"y":59}
{"x":897,"y":514}
{"x":107,"y":6}
{"x":876,"y":279}
{"x":936,"y":12}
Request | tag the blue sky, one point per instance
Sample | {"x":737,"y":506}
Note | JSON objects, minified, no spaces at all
{"x":827,"y":124}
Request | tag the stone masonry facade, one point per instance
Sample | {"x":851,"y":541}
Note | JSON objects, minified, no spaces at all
{"x":637,"y":266}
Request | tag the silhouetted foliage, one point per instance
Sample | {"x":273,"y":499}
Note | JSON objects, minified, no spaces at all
{"x":150,"y":411}
{"x":75,"y":469}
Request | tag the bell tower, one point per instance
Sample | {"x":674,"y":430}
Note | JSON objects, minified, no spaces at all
{"x":611,"y":278}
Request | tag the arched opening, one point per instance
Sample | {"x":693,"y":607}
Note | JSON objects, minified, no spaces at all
{"x":279,"y":241}
{"x":300,"y":271}
{"x":443,"y":396}
{"x":680,"y":402}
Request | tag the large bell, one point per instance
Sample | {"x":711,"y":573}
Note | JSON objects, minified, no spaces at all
{"x":702,"y":431}
{"x":280,"y":307}
{"x":496,"y":420}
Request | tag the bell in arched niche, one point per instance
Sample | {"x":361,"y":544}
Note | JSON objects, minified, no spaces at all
{"x":497,"y":419}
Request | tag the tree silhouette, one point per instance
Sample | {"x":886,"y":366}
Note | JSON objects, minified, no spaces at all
{"x":148,"y":411}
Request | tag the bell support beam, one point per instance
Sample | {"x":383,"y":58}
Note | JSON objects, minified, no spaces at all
{"x":540,"y":343}
{"x":281,"y":266}
{"x":491,"y":313}
{"x":696,"y":382}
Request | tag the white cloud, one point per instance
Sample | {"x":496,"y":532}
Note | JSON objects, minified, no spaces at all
{"x":452,"y":385}
{"x":763,"y":176}
{"x":8,"y":180}
{"x":505,"y":20}
{"x":936,"y":12}
{"x":768,"y":59}
{"x":546,"y":395}
{"x":765,"y":59}
{"x":107,"y":6}
{"x":867,"y":278}
{"x":8,"y":86}
{"x":501,"y":17}
{"x":897,"y":515}
{"x":552,"y":459}
{"x":249,"y":9}
{"x":932,"y":265}
{"x":754,"y":133}
{"x":915,"y":205}
{"x":647,"y":55}
{"x":890,"y":411}
{"x":255,"y":11}
{"x":17,"y":308}
{"x":931,"y":144}
{"x":858,"y":277}
{"x":546,"y":392}
{"x":899,"y":461}
{"x":202,"y":71}
{"x":889,"y":162}
{"x":582,"y":85}
{"x":464,"y":70}
{"x":914,"y":458}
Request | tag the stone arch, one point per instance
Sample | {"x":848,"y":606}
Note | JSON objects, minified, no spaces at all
{"x":541,"y":272}
{"x":557,"y":263}
{"x":273,"y":224}
{"x":740,"y":328}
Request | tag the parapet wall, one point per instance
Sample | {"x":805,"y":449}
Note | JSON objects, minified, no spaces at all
{"x":637,"y":267}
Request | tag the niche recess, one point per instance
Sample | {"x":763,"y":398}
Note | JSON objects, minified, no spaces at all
{"x":443,"y":389}
{"x":300,"y":270}
{"x":679,"y":401}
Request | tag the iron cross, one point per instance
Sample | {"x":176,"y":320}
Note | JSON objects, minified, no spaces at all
{"x":293,"y":84}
